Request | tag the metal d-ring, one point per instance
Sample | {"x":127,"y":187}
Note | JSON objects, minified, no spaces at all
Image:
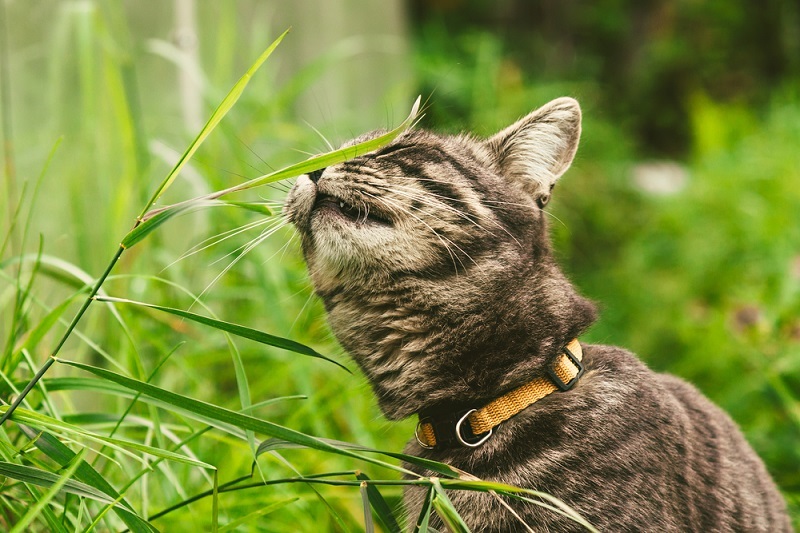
{"x":461,"y":439}
{"x":419,"y":440}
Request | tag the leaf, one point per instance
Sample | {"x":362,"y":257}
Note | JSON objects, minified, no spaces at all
{"x":223,"y":108}
{"x":304,"y":167}
{"x":235,"y":329}
{"x":60,"y":453}
{"x":41,"y":505}
{"x":227,"y":416}
{"x":142,"y":230}
{"x":379,"y":505}
{"x":369,"y":526}
{"x":445,"y":509}
{"x":433,"y":466}
{"x":43,"y":478}
{"x":425,"y":512}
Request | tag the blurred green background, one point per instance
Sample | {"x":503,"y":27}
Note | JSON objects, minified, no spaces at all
{"x":680,"y":216}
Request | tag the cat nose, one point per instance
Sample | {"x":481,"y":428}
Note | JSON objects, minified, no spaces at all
{"x":316,"y":175}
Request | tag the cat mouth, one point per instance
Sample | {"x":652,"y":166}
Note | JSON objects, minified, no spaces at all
{"x":340,"y":208}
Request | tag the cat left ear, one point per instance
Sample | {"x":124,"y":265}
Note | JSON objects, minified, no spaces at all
{"x":539,"y":148}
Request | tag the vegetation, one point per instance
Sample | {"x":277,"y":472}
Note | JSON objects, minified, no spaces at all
{"x":190,"y":413}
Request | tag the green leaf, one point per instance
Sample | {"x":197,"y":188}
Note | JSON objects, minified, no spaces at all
{"x":433,"y":466}
{"x":369,"y":525}
{"x":304,"y":167}
{"x":379,"y":505}
{"x":43,"y":478}
{"x":445,"y":509}
{"x":143,"y":229}
{"x":223,"y":108}
{"x":41,"y":421}
{"x":229,"y":417}
{"x":59,"y":452}
{"x":235,"y":329}
{"x":425,"y":512}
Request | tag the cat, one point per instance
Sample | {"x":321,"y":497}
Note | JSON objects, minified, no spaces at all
{"x":433,"y":261}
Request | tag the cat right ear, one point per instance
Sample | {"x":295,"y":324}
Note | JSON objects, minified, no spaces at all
{"x":537,"y":149}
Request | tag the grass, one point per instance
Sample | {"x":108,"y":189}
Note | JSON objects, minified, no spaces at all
{"x":190,"y":413}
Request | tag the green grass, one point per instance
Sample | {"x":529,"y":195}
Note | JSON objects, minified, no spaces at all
{"x":203,"y":419}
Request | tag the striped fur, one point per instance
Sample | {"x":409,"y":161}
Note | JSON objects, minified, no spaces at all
{"x":433,"y":261}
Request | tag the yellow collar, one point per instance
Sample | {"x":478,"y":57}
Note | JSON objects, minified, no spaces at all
{"x":449,"y":431}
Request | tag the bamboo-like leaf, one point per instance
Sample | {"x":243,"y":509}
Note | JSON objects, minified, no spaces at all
{"x":331,"y":158}
{"x":369,"y":526}
{"x":59,"y":452}
{"x":434,"y":466}
{"x":142,"y":230}
{"x":425,"y":512}
{"x":235,"y":329}
{"x":229,"y":417}
{"x":231,"y":526}
{"x":43,"y":478}
{"x":41,"y":421}
{"x":37,"y":477}
{"x":379,"y":505}
{"x":445,"y":509}
{"x":223,"y":108}
{"x":304,"y":167}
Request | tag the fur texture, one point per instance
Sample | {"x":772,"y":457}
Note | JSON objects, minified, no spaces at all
{"x":433,"y":261}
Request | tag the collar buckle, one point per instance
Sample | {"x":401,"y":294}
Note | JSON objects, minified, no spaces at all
{"x":472,"y":443}
{"x":551,"y":371}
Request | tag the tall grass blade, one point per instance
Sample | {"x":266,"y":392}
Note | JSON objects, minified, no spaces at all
{"x":60,"y":482}
{"x":223,"y":108}
{"x":227,"y":416}
{"x":59,"y":452}
{"x":379,"y":505}
{"x":425,"y":513}
{"x":43,"y":478}
{"x":304,"y":167}
{"x":445,"y":509}
{"x":369,"y":526}
{"x":235,"y":329}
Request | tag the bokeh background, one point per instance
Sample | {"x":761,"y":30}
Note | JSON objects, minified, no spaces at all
{"x":680,"y":216}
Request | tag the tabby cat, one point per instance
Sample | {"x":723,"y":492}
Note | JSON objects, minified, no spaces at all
{"x":433,"y":261}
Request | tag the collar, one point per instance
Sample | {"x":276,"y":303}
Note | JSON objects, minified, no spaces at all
{"x":473,"y":427}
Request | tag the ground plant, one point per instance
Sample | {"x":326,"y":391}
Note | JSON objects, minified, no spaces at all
{"x":164,"y":364}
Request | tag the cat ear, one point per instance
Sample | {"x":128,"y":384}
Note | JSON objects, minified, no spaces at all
{"x":539,"y":148}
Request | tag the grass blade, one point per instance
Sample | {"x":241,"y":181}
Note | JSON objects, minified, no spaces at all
{"x":309,"y":165}
{"x":379,"y":505}
{"x":445,"y":509}
{"x":59,"y":452}
{"x":235,"y":329}
{"x":223,"y":108}
{"x":425,"y":513}
{"x":369,"y":526}
{"x":227,"y":416}
{"x":43,"y":478}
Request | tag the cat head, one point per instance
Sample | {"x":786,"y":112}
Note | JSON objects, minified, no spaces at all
{"x":431,"y":203}
{"x":420,"y":248}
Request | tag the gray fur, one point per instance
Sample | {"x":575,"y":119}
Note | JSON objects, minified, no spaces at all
{"x":439,"y":280}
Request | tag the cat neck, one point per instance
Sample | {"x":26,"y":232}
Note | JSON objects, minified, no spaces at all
{"x":424,"y":344}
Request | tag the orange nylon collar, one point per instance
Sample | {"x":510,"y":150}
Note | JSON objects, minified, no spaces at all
{"x":474,"y":427}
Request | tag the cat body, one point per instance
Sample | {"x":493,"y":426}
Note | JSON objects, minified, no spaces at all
{"x":432,"y":258}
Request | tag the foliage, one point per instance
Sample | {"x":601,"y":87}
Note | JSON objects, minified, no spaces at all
{"x":159,"y":418}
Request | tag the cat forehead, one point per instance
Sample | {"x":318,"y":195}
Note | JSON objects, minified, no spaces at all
{"x":425,"y":141}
